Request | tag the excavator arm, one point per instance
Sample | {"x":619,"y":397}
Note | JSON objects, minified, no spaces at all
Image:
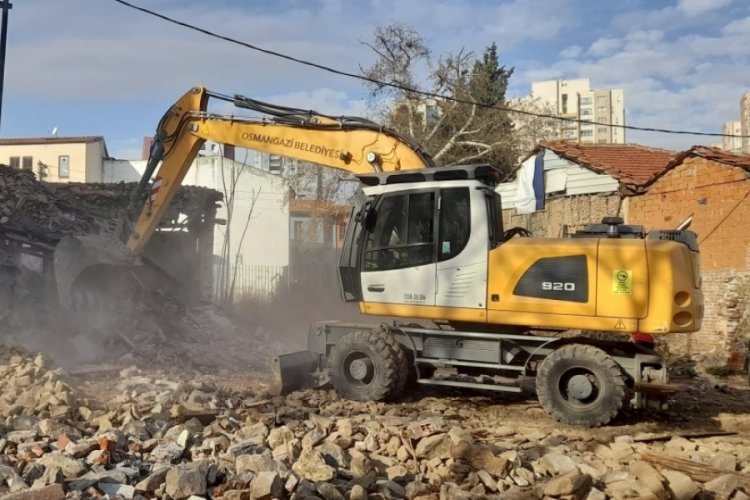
{"x":351,"y":144}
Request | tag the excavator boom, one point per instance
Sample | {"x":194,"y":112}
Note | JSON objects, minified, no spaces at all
{"x":351,"y":144}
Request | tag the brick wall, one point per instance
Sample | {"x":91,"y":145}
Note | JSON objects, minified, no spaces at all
{"x":717,"y":195}
{"x":573,"y":211}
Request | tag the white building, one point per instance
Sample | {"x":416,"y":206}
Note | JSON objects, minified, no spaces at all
{"x":733,"y":144}
{"x":259,"y":209}
{"x":745,"y":121}
{"x":575,"y":100}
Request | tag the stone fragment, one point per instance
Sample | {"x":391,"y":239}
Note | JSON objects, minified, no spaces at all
{"x":185,"y":480}
{"x":557,"y":464}
{"x":481,"y":458}
{"x":267,"y":485}
{"x":680,"y":485}
{"x":313,"y":437}
{"x":117,"y":490}
{"x":256,"y":433}
{"x":649,"y":476}
{"x":568,"y":484}
{"x":435,"y":446}
{"x":153,"y":480}
{"x":396,"y":472}
{"x":279,"y":436}
{"x":357,"y":493}
{"x":333,"y":455}
{"x":724,"y":486}
{"x":390,"y":488}
{"x":69,"y":467}
{"x":51,"y":492}
{"x":595,"y":494}
{"x":311,"y":465}
{"x":328,"y":491}
{"x":724,"y":461}
{"x":256,"y":463}
{"x":168,"y":452}
{"x":11,"y":478}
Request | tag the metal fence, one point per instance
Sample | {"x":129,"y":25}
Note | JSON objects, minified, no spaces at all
{"x":252,"y":281}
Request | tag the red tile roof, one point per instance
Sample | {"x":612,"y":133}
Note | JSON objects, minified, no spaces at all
{"x":631,"y":164}
{"x":713,"y":154}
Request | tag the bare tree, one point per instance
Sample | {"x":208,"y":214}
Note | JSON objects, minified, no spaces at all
{"x":464,"y":127}
{"x":529,"y":130}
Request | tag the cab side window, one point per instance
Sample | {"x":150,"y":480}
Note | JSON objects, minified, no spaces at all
{"x":403,"y":234}
{"x":455,"y":222}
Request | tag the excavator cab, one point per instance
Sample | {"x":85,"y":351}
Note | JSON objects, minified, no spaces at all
{"x":421,"y":239}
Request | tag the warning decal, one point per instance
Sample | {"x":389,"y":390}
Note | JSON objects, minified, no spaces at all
{"x":620,"y":325}
{"x":622,"y":282}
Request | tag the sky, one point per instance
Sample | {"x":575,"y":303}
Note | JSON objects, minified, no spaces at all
{"x":95,"y":67}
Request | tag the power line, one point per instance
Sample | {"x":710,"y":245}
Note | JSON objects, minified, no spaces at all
{"x":408,"y":89}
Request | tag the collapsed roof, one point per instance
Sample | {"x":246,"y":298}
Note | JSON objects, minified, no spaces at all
{"x":44,"y":213}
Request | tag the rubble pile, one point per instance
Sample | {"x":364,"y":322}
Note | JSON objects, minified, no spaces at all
{"x":42,"y":212}
{"x":160,"y":332}
{"x":148,"y":434}
{"x":31,"y":209}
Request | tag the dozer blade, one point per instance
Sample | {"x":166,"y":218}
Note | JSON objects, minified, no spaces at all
{"x":295,"y":371}
{"x":81,"y":258}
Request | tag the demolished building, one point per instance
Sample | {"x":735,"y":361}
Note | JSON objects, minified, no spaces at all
{"x":36,"y":216}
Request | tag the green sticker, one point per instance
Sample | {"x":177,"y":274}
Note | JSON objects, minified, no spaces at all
{"x":622,"y":282}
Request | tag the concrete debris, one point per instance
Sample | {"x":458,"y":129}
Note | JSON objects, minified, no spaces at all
{"x":151,"y":434}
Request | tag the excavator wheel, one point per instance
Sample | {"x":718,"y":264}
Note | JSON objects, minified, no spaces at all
{"x":368,"y":366}
{"x":580,"y":385}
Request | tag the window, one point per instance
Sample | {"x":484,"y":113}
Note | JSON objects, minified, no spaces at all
{"x":28,"y":163}
{"x":586,"y":133}
{"x":15,"y":162}
{"x":585,"y":111}
{"x":63,"y":167}
{"x":586,"y":100}
{"x":454,"y":222}
{"x":403,"y":233}
{"x":298,"y":229}
{"x":564,"y":104}
{"x":602,"y":109}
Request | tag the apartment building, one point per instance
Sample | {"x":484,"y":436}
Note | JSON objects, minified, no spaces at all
{"x":576,"y":100}
{"x":733,"y":144}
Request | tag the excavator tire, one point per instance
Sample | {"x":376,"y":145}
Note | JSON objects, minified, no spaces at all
{"x":580,"y":385}
{"x":368,"y":366}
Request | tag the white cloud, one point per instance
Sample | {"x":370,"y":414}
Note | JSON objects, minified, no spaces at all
{"x":696,"y":7}
{"x":571,"y":52}
{"x":604,"y":46}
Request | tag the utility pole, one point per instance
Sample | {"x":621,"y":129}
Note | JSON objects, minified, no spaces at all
{"x":6,"y":6}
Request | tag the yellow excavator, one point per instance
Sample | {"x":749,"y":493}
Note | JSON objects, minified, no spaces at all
{"x":483,"y":307}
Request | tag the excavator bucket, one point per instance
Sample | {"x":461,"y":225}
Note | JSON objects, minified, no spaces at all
{"x":296,"y":371}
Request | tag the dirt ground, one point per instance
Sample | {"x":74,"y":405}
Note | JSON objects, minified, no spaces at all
{"x":703,"y":404}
